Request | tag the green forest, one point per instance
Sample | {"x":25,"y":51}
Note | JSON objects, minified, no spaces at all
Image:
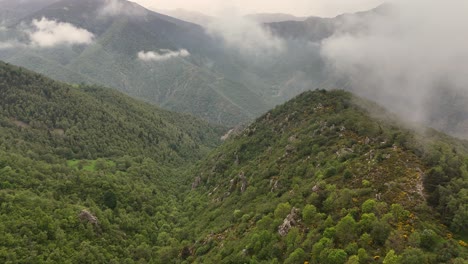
{"x":89,"y":175}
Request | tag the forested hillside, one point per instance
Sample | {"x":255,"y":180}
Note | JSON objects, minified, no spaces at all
{"x":331,"y":178}
{"x":88,"y":175}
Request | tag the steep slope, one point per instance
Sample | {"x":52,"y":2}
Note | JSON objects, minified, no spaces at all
{"x":12,"y":11}
{"x":330,"y":178}
{"x":110,"y":123}
{"x":88,"y":175}
{"x":121,"y":31}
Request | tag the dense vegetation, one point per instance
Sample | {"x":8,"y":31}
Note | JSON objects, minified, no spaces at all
{"x":88,"y":122}
{"x":67,"y":149}
{"x":88,"y":175}
{"x":329,"y":178}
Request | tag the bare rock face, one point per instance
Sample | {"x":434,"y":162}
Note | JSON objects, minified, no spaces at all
{"x":243,"y":181}
{"x":196,"y":182}
{"x":87,"y":216}
{"x":289,"y":222}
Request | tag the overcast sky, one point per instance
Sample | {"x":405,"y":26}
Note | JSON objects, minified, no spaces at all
{"x":296,"y":7}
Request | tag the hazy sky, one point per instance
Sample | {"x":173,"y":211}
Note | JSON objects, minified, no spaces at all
{"x":296,"y":7}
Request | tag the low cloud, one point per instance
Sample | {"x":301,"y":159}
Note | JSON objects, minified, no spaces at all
{"x":245,"y":35}
{"x":404,"y":57}
{"x":118,"y":7}
{"x":47,"y":33}
{"x":162,"y":55}
{"x":11,"y":44}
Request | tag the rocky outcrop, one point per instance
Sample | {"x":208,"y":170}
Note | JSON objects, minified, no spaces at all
{"x":290,"y":221}
{"x":196,"y":182}
{"x":87,"y":216}
{"x":243,"y":181}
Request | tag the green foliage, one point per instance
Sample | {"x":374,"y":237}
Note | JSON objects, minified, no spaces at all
{"x":282,"y":210}
{"x":391,"y":258}
{"x":368,"y":206}
{"x":336,"y":256}
{"x":413,"y":256}
{"x":133,"y":166}
{"x":298,"y":256}
{"x":428,"y":239}
{"x":309,"y":214}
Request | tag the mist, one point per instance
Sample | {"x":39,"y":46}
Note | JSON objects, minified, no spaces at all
{"x":49,"y":33}
{"x":117,"y":7}
{"x":45,"y":33}
{"x":244,"y":35}
{"x":406,"y":56}
{"x":162,"y":55}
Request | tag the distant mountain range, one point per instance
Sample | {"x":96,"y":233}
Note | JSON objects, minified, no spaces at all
{"x":184,"y":67}
{"x":186,"y":84}
{"x":274,"y":17}
{"x":12,"y":11}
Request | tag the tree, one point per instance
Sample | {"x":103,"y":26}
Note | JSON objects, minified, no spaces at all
{"x":413,"y":256}
{"x":391,"y":258}
{"x":428,"y":239}
{"x":282,"y":210}
{"x":308,"y":214}
{"x":346,"y":229}
{"x":336,"y":256}
{"x":110,"y":199}
{"x":298,"y":256}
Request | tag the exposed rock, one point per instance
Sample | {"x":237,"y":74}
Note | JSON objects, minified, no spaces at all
{"x":87,"y":216}
{"x":290,"y":148}
{"x":344,"y":151}
{"x":196,"y":182}
{"x":21,"y":123}
{"x":318,"y":107}
{"x":367,"y":141}
{"x":243,"y":180}
{"x":290,"y":221}
{"x":227,"y":135}
{"x":316,"y":188}
{"x":274,"y":184}
{"x":232,"y":185}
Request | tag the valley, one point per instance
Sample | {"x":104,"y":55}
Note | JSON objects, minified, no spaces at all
{"x":133,"y":136}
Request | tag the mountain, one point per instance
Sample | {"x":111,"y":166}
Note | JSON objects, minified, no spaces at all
{"x":88,"y":122}
{"x":330,"y":178}
{"x":273,"y":17}
{"x":317,"y":29}
{"x":89,"y":175}
{"x":189,"y":16}
{"x":13,"y":11}
{"x":123,"y":32}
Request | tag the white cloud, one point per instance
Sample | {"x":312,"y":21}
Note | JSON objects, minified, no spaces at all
{"x":245,"y":35}
{"x":48,"y":33}
{"x":162,"y":55}
{"x":295,"y":7}
{"x":118,"y":7}
{"x":401,"y":59}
